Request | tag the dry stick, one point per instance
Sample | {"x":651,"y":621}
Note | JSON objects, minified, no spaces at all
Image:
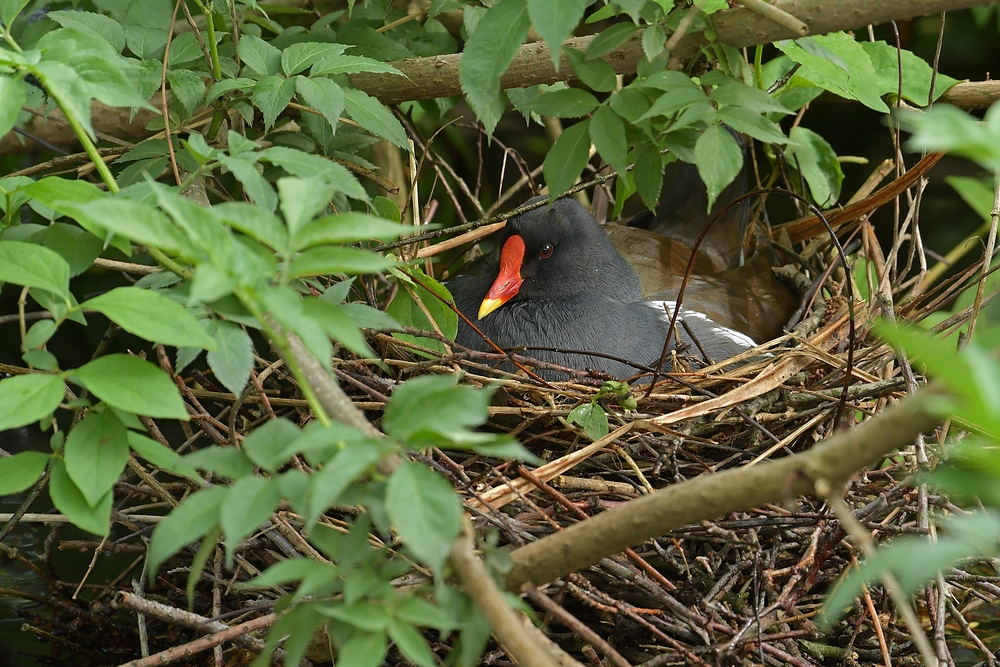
{"x":853,"y":527}
{"x":526,"y":644}
{"x":521,"y":638}
{"x":834,"y":460}
{"x":776,"y":14}
{"x":438,"y":76}
{"x":185,"y":651}
{"x":991,"y":241}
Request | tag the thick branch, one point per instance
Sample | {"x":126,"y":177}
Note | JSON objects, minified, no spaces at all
{"x":834,"y":460}
{"x":437,"y":76}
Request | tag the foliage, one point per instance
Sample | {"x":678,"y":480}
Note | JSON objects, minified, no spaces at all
{"x":285,"y":215}
{"x":970,"y":474}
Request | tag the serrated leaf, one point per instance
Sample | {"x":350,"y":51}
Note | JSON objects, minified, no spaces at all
{"x":29,"y":398}
{"x":68,"y":499}
{"x":13,"y":95}
{"x":258,"y":55}
{"x":191,"y":520}
{"x":567,"y":158}
{"x":433,"y":406}
{"x":719,"y":160}
{"x":304,"y":165}
{"x":815,"y":158}
{"x":323,"y":95}
{"x":424,"y":510}
{"x":131,"y":384}
{"x":607,"y":132}
{"x":32,"y":265}
{"x":251,"y":502}
{"x":187,"y":91}
{"x":653,"y":41}
{"x":488,"y":52}
{"x":220,"y":88}
{"x":555,"y":20}
{"x":298,"y":57}
{"x":591,"y":418}
{"x":370,"y":114}
{"x":271,"y":95}
{"x":21,"y":471}
{"x":137,"y":221}
{"x":347,"y":64}
{"x":232,"y":359}
{"x":152,"y":316}
{"x":324,"y":260}
{"x":95,"y":454}
{"x":846,"y":71}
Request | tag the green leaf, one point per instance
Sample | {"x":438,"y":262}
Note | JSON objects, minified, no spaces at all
{"x":839,"y":65}
{"x":187,"y":90}
{"x":138,"y":221}
{"x":77,"y":246}
{"x":489,"y":51}
{"x":220,"y":88}
{"x":159,"y":455}
{"x":607,"y":132}
{"x":410,"y":641}
{"x":96,"y":452}
{"x":406,"y":311}
{"x":232,"y":358}
{"x":917,"y":74}
{"x":947,"y":128}
{"x":335,"y":259}
{"x":425,"y":512}
{"x":917,"y":560}
{"x":251,"y":502}
{"x":565,"y":103}
{"x":752,"y":123}
{"x":323,"y":95}
{"x":255,"y":185}
{"x":653,"y":41}
{"x":370,"y":114}
{"x":271,"y":95}
{"x":555,"y":20}
{"x":191,"y":520}
{"x":298,"y":57}
{"x":254,"y":222}
{"x":131,"y":384}
{"x":364,"y":649}
{"x":567,"y":158}
{"x":152,"y":316}
{"x":387,"y":209}
{"x":21,"y":471}
{"x":287,"y":571}
{"x":647,"y":174}
{"x":258,"y":55}
{"x":34,"y":266}
{"x":302,"y":198}
{"x":719,"y":160}
{"x":346,"y":466}
{"x":347,"y":227}
{"x":267,"y":445}
{"x":68,"y":499}
{"x":595,"y":74}
{"x":737,"y":93}
{"x":339,"y":325}
{"x":29,"y":398}
{"x":591,"y":418}
{"x":65,"y":86}
{"x":343,"y":64}
{"x":13,"y":95}
{"x":304,"y":165}
{"x":228,"y":462}
{"x":609,"y":39}
{"x":815,"y":158}
{"x":434,"y":407}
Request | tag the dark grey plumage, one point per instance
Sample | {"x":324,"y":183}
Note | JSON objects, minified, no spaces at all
{"x":583,"y":297}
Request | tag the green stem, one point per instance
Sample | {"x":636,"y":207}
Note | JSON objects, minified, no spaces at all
{"x":758,"y":68}
{"x":213,"y":49}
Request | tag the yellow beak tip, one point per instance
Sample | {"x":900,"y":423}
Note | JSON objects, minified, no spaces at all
{"x":488,"y":306}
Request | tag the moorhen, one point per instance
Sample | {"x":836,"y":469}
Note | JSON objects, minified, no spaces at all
{"x":561,"y":282}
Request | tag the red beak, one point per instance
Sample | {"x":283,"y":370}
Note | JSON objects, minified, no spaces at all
{"x":509,"y":280}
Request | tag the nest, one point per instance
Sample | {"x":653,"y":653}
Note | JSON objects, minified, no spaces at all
{"x":738,"y":589}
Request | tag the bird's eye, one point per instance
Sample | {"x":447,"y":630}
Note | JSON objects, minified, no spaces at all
{"x":546,"y":251}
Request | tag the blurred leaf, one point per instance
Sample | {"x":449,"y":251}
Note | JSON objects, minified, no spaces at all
{"x":555,"y":20}
{"x":596,"y":74}
{"x":407,"y":312}
{"x":565,"y":103}
{"x":949,"y":129}
{"x":131,"y":384}
{"x":817,"y":162}
{"x":488,"y":52}
{"x":567,"y":158}
{"x":251,"y":502}
{"x":191,"y":520}
{"x":95,"y":454}
{"x":719,"y":160}
{"x":425,"y":512}
{"x":20,"y":471}
{"x":152,"y":316}
{"x":13,"y":96}
{"x":346,"y":466}
{"x":29,"y":398}
{"x":409,"y":640}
